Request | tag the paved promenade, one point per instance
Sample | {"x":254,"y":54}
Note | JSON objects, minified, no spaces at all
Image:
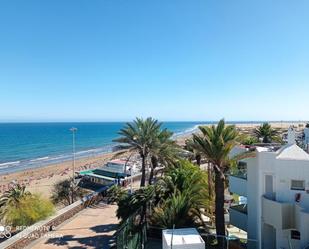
{"x":92,"y":228}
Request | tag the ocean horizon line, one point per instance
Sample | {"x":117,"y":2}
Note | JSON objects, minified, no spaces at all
{"x":162,"y":121}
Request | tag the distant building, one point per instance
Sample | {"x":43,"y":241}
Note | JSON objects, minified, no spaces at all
{"x":116,"y":166}
{"x":276,"y":187}
{"x":306,"y":138}
{"x":291,"y":135}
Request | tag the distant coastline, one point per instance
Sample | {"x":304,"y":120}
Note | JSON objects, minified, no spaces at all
{"x":43,"y":174}
{"x":34,"y":145}
{"x":55,"y":146}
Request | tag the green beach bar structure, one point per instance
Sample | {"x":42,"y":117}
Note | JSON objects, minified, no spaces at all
{"x":114,"y":172}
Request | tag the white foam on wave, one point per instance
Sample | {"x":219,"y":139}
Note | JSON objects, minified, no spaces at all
{"x":86,"y":151}
{"x":187,"y":131}
{"x":194,"y":128}
{"x":39,"y":159}
{"x":59,"y":157}
{"x":4,"y":165}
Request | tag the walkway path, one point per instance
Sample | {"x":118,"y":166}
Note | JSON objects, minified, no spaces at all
{"x":92,"y":228}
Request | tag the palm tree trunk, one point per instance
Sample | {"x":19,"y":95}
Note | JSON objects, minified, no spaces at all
{"x":154,"y":164}
{"x":143,"y":179}
{"x":219,"y":209}
{"x":209,"y":178}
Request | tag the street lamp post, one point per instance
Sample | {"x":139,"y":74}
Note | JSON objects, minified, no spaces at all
{"x":73,"y":130}
{"x":131,"y":181}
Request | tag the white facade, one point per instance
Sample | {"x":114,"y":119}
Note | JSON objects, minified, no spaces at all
{"x":118,"y":166}
{"x":306,"y":132}
{"x":277,"y":189}
{"x":184,"y":238}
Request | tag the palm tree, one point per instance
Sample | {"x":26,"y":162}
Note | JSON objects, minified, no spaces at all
{"x":215,"y":143}
{"x":12,"y":197}
{"x":165,"y":151}
{"x":116,"y":193}
{"x":180,"y":210}
{"x":129,"y":204}
{"x":190,"y":146}
{"x":181,"y":197}
{"x":193,"y":148}
{"x":267,"y":133}
{"x":139,"y":136}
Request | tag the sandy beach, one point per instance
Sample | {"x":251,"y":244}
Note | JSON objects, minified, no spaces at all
{"x":41,"y":180}
{"x":249,"y":128}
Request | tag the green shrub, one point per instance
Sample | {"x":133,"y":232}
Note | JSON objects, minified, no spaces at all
{"x":115,"y":194}
{"x":66,"y":192}
{"x":247,"y":140}
{"x":29,"y":210}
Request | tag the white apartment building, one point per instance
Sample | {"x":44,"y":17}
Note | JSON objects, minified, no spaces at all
{"x":276,"y":185}
{"x":306,"y":133}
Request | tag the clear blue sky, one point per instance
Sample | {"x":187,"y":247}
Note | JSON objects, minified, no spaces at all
{"x":99,"y":60}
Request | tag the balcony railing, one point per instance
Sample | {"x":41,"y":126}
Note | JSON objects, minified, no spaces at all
{"x":278,"y":214}
{"x":240,"y":208}
{"x":238,"y":185}
{"x":238,"y":216}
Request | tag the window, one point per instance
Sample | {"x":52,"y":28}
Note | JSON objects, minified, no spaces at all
{"x":295,"y":234}
{"x":242,"y":164}
{"x":297,"y":185}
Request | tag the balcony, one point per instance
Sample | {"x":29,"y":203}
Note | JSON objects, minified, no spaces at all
{"x":278,"y":214}
{"x":238,"y":216}
{"x":238,"y":182}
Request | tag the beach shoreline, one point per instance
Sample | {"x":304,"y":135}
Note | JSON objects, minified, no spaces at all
{"x":42,"y":179}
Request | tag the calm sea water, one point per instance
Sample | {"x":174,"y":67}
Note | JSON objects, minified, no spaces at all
{"x":29,"y":145}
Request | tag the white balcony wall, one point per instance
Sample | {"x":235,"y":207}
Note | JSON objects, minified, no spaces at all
{"x":238,"y":185}
{"x":238,"y":219}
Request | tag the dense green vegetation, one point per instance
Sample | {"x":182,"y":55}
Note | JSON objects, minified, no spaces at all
{"x":184,"y":191}
{"x":30,"y":209}
{"x":177,"y":198}
{"x":19,"y":207}
{"x":247,"y":139}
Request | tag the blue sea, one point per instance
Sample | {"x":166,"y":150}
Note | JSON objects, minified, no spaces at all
{"x":31,"y":145}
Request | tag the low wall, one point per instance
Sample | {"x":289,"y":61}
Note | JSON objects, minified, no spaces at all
{"x":37,"y":230}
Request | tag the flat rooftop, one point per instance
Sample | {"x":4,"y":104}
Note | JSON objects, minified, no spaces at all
{"x":101,"y":173}
{"x":182,"y":236}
